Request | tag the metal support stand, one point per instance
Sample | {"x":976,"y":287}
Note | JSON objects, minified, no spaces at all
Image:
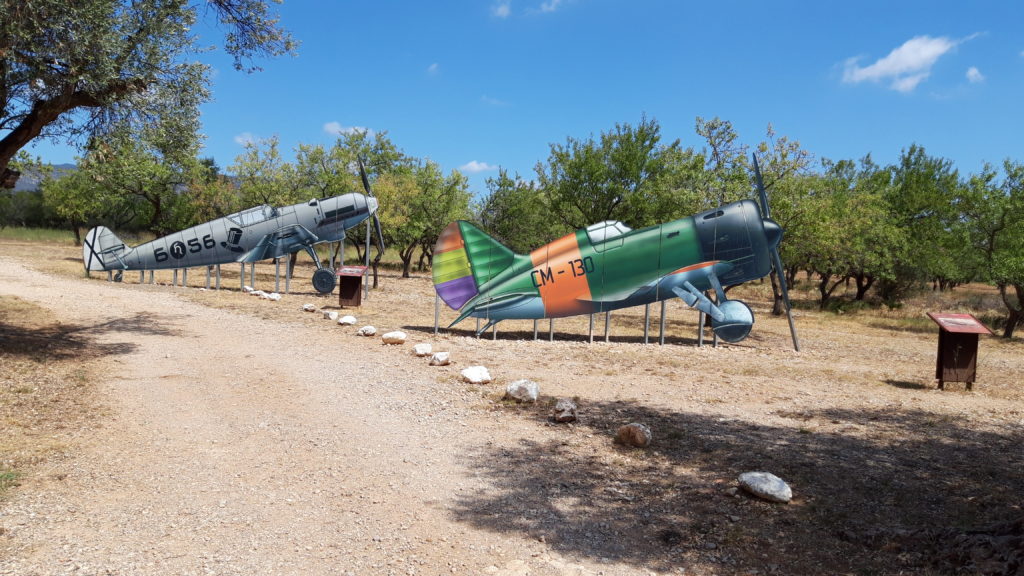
{"x":218,"y":276}
{"x":551,"y":331}
{"x":174,"y":282}
{"x":366,"y":284}
{"x":591,"y":328}
{"x":184,"y":277}
{"x":661,"y":333}
{"x":288,"y":275}
{"x":700,"y":330}
{"x":142,"y":276}
{"x":252,"y":275}
{"x":209,"y":271}
{"x":151,"y":277}
{"x":277,"y":274}
{"x":241,"y":279}
{"x":494,"y":331}
{"x":607,"y":324}
{"x":647,"y":322}
{"x":110,"y":276}
{"x":535,"y":330}
{"x":437,"y":312}
{"x":477,"y":331}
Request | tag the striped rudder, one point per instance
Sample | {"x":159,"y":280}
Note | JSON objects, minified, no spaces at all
{"x":465,"y":258}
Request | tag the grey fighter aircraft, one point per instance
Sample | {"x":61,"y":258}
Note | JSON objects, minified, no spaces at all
{"x":259,"y":233}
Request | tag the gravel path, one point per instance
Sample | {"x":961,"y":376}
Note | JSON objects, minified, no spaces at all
{"x":231,"y":444}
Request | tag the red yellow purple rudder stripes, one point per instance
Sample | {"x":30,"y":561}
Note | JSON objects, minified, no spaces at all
{"x":465,"y":258}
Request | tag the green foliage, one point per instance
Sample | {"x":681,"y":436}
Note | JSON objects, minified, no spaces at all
{"x":588,"y":181}
{"x":726,"y":170}
{"x":924,"y":200}
{"x":517,"y":214}
{"x":994,"y":212}
{"x":264,"y":177}
{"x":416,"y":204}
{"x":69,"y":70}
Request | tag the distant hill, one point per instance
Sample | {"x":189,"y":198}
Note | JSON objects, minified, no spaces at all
{"x":29,"y":180}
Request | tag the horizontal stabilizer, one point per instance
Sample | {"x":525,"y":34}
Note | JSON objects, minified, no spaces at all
{"x":103,"y":250}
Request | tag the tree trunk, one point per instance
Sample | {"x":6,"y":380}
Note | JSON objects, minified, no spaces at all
{"x":778,"y":307}
{"x":1015,"y":314}
{"x":823,"y":291}
{"x":864,"y":283}
{"x":406,"y":255}
{"x":78,"y":233}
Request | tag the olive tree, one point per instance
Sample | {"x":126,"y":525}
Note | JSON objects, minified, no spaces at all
{"x":70,"y":71}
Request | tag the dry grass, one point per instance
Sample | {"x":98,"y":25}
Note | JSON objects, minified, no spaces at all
{"x":45,"y":391}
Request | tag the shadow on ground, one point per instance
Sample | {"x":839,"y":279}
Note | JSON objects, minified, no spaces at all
{"x":881,"y":492}
{"x":64,"y":341}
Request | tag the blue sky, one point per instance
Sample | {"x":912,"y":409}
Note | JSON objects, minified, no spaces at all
{"x":474,"y":85}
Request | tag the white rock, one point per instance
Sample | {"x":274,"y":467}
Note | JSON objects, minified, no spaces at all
{"x":767,"y":486}
{"x":367,"y":331}
{"x":247,"y":289}
{"x":476,"y":375}
{"x":440,"y":359}
{"x":309,"y":307}
{"x":259,"y":293}
{"x":565,"y":411}
{"x":330,"y":315}
{"x":634,"y":434}
{"x":273,"y":296}
{"x":422,"y":349}
{"x":347,"y":320}
{"x":396,"y":337}
{"x":522,"y":391}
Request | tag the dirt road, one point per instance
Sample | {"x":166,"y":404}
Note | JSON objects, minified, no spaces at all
{"x":237,"y":445}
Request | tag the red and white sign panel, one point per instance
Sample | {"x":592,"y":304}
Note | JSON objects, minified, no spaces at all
{"x":959,"y":323}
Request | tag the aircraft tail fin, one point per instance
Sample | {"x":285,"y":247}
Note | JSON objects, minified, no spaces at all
{"x":465,"y":258}
{"x":102,"y":250}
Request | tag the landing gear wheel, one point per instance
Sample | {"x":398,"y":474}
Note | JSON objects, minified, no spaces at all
{"x":737,"y":323}
{"x":324,"y":280}
{"x":118,"y":276}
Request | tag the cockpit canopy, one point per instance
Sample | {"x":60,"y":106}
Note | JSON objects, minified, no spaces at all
{"x":253,"y":215}
{"x":606,"y":230}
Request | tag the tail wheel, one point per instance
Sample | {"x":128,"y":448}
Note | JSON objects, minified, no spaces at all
{"x":737,"y":322}
{"x":324,"y":280}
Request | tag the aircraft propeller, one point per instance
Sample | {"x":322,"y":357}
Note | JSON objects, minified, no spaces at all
{"x":376,"y":218}
{"x":780,"y":271}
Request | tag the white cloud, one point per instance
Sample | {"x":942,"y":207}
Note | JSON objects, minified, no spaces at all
{"x":433,"y":68}
{"x":245,"y":138}
{"x":337,"y":129}
{"x":906,"y":66}
{"x":474,"y":167}
{"x":492,"y":101}
{"x":974,"y":75}
{"x":502,"y":9}
{"x":550,"y":5}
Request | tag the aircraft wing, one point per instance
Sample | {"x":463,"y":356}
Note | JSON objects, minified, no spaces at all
{"x":279,"y":243}
{"x":696,"y":274}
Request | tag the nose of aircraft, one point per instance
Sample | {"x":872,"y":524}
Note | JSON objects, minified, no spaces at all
{"x":772,"y":232}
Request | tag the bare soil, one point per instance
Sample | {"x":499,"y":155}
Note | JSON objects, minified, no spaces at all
{"x":158,"y":429}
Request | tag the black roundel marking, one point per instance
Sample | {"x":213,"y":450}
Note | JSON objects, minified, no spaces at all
{"x":178,"y":250}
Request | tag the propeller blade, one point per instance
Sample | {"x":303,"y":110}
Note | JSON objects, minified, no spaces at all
{"x":765,"y":212}
{"x":376,"y":219}
{"x":780,"y":271}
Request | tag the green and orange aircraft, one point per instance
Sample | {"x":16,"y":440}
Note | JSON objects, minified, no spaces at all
{"x":608,"y":266}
